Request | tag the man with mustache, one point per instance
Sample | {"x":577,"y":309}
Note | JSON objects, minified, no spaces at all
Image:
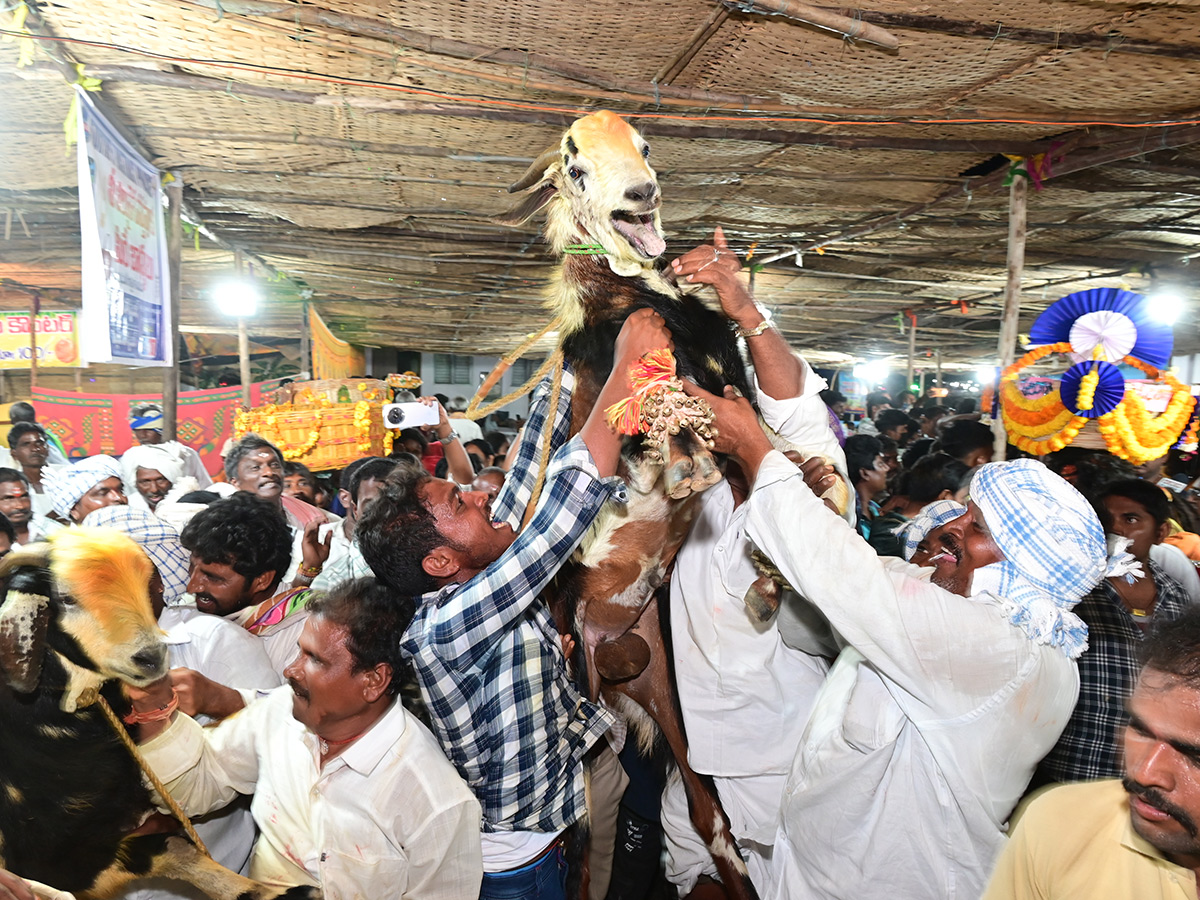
{"x":952,"y":681}
{"x":351,"y":792}
{"x":1133,"y":837}
{"x":240,"y":547}
{"x":150,"y":471}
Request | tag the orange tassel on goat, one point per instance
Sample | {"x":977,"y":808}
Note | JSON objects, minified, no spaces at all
{"x":655,"y":371}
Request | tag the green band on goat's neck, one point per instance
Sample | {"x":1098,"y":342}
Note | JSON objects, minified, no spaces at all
{"x":585,"y":249}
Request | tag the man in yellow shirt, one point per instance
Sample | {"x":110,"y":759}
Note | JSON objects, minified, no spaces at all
{"x":1136,"y":837}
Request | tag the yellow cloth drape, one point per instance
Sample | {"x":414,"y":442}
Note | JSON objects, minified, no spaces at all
{"x":331,"y":356}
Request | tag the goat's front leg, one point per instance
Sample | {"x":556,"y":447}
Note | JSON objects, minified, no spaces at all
{"x":172,"y":856}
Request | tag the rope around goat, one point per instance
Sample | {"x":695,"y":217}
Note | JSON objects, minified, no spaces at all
{"x":474,"y":412}
{"x":132,"y":747}
{"x":554,"y":360}
{"x":547,"y":436}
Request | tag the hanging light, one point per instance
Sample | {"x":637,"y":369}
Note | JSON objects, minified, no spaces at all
{"x":1165,"y":305}
{"x":236,"y":297}
{"x":873,"y":372}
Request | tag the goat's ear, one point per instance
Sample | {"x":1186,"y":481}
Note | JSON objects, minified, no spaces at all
{"x":24,"y":615}
{"x":524,"y":210}
{"x":537,"y":171}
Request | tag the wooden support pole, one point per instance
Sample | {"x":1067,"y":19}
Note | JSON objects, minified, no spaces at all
{"x":1007,"y":343}
{"x":34,"y":308}
{"x":174,"y":269}
{"x":305,"y":350}
{"x":938,"y":352}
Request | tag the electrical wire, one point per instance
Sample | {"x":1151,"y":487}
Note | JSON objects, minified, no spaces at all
{"x":304,"y":75}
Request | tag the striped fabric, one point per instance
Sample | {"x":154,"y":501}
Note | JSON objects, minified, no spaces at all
{"x":1054,"y":550}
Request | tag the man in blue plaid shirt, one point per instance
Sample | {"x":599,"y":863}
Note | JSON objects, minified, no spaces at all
{"x":485,"y":649}
{"x":1117,"y":612}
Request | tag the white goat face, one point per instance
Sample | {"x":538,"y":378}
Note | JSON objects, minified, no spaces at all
{"x":607,"y":189}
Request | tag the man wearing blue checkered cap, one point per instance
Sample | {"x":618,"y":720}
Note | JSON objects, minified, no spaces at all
{"x":953,"y":678}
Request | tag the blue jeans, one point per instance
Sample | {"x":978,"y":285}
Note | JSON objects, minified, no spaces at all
{"x":544,"y":879}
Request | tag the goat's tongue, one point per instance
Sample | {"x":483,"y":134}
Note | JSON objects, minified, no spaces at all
{"x":642,"y":236}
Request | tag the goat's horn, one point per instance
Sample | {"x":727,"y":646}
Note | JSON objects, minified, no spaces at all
{"x":24,"y":615}
{"x":24,"y":619}
{"x":535,"y":172}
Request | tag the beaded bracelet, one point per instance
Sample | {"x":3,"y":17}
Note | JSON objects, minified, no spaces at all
{"x":308,"y":571}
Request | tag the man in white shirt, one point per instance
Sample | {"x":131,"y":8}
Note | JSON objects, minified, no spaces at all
{"x":240,"y":546}
{"x":351,"y":793}
{"x":946,"y":692}
{"x":361,"y":481}
{"x":744,"y":692}
{"x":17,"y":506}
{"x":146,"y":423}
{"x":30,"y":450}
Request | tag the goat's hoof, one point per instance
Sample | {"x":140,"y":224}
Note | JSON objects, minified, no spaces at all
{"x":622,"y":659}
{"x":677,"y":479}
{"x":681,"y":489}
{"x":762,"y":599}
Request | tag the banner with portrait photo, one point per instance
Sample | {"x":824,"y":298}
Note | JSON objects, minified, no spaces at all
{"x":126,"y":292}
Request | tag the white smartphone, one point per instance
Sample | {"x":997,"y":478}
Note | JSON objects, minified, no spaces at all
{"x":409,"y":415}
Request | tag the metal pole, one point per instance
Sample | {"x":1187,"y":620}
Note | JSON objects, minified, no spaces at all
{"x":1007,"y":344}
{"x":174,"y":269}
{"x":243,"y":342}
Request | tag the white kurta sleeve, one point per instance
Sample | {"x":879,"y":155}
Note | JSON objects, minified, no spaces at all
{"x":206,"y":768}
{"x":949,"y":653}
{"x":804,"y":421}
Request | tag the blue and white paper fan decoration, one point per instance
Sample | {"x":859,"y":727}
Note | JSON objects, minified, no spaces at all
{"x":1117,"y":321}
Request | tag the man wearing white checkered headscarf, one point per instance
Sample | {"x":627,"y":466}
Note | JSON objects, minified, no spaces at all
{"x":952,"y":681}
{"x":76,"y":490}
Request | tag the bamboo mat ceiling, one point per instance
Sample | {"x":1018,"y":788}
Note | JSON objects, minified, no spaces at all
{"x":354,"y":151}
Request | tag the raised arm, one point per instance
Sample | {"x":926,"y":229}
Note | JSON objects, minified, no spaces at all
{"x":578,"y":483}
{"x":949,"y":653}
{"x":780,"y":372}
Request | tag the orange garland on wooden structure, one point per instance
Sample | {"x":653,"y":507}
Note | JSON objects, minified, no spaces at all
{"x":1044,"y":425}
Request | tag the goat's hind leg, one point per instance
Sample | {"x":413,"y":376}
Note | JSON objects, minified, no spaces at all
{"x":172,"y":856}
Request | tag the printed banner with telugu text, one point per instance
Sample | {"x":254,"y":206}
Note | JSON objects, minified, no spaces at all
{"x":57,"y":340}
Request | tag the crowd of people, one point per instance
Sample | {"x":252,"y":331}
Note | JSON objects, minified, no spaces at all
{"x":368,"y":692}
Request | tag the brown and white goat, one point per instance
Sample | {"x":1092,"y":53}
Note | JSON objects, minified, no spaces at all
{"x":75,"y":620}
{"x":599,"y":191}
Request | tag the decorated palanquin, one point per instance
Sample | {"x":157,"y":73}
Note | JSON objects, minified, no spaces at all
{"x":1115,"y":394}
{"x":326,"y":424}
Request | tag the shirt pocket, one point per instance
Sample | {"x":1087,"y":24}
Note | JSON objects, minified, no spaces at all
{"x":872,"y":719}
{"x":355,"y":876}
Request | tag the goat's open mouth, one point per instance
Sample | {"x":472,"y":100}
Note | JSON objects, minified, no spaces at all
{"x":640,"y":232}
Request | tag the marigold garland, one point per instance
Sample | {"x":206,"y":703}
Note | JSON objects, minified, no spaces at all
{"x":1044,"y":425}
{"x":265,"y":420}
